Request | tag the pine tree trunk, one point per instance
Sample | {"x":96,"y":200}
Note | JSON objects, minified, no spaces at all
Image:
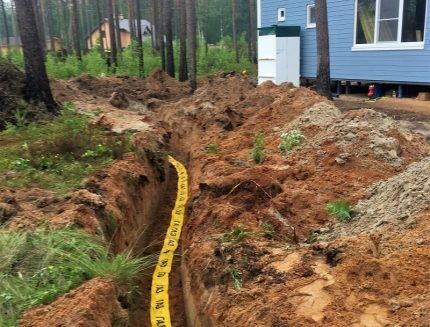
{"x":160,"y":34}
{"x":233,"y":19}
{"x":100,"y":18}
{"x":14,"y":20}
{"x":39,"y":23}
{"x":37,"y":88}
{"x":63,"y":7}
{"x":117,"y":26}
{"x":89,"y":19}
{"x":323,"y":49}
{"x":206,"y":27}
{"x":140,"y":40}
{"x":252,"y":31}
{"x":170,"y":60}
{"x":113,"y":49}
{"x":182,"y":17}
{"x":131,"y":18}
{"x":49,"y":27}
{"x":6,"y":28}
{"x":192,"y":42}
{"x":75,"y":29}
{"x":154,"y":25}
{"x":83,"y":25}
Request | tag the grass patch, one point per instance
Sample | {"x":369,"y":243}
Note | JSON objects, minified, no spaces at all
{"x":38,"y":267}
{"x":56,"y":155}
{"x":258,"y":152}
{"x":340,"y":209}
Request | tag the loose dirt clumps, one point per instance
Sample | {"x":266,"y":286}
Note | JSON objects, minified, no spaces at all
{"x":94,"y":304}
{"x":158,"y":85}
{"x":11,"y":91}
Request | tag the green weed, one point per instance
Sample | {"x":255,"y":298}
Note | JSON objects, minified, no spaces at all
{"x":212,"y":148}
{"x":236,"y":276}
{"x":258,"y":152}
{"x":37,"y":267}
{"x":340,"y":209}
{"x":290,"y":140}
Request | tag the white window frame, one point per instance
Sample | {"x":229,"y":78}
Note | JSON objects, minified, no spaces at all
{"x":388,"y":45}
{"x":308,"y":16}
{"x":280,"y":18}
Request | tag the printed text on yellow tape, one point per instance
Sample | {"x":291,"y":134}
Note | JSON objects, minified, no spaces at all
{"x":160,"y":313}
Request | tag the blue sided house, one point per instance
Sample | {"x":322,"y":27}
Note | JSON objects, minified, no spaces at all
{"x":377,"y":41}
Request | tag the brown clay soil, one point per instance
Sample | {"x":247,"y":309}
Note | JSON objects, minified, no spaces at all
{"x":297,"y":265}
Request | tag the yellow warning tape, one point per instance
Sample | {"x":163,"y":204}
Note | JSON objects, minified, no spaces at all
{"x":160,"y":314}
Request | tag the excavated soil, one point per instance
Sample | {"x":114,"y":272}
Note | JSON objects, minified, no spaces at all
{"x":296,"y":264}
{"x":12,"y":82}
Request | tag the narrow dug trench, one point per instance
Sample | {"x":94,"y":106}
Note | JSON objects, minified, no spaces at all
{"x":140,"y":309}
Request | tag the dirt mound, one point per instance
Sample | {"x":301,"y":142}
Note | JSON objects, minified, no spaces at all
{"x":363,"y":133}
{"x":158,"y":85}
{"x":94,"y":304}
{"x":11,"y":91}
{"x":391,"y":203}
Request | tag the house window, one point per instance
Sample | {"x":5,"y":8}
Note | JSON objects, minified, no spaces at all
{"x":388,"y":20}
{"x":311,"y":18}
{"x":389,"y":24}
{"x":281,"y":14}
{"x":414,"y":18}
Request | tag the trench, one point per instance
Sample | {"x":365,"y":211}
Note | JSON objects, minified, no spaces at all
{"x":154,"y":202}
{"x":140,"y":308}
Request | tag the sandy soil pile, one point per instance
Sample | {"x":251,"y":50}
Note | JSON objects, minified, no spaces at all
{"x":393,"y":204}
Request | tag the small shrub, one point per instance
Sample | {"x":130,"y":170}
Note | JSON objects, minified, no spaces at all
{"x":340,"y":209}
{"x":258,"y":152}
{"x":236,"y":276}
{"x":290,"y":140}
{"x":236,"y":235}
{"x":94,"y":64}
{"x":212,"y":148}
{"x":63,"y":68}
